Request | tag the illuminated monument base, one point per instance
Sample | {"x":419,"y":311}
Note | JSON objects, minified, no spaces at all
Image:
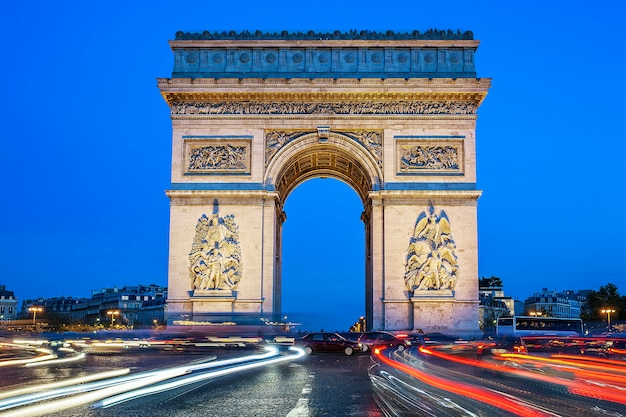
{"x":391,"y":115}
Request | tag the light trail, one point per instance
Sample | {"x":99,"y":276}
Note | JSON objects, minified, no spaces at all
{"x":582,"y":358}
{"x":47,"y":355}
{"x":74,"y":389}
{"x":591,"y":382}
{"x":72,"y":358}
{"x":469,"y":391}
{"x":127,"y":396}
{"x":39,"y":394}
{"x":37,"y":342}
{"x":65,"y":383}
{"x":114,"y":387}
{"x":63,"y":404}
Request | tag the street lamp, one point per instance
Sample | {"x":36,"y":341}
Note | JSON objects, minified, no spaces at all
{"x":35,"y":310}
{"x":608,"y":312}
{"x":113,"y":313}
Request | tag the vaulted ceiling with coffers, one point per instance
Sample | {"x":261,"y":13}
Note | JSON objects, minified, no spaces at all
{"x":321,"y":161}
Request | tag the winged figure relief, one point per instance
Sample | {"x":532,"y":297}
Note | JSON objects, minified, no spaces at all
{"x":215,"y":256}
{"x":431,"y":261}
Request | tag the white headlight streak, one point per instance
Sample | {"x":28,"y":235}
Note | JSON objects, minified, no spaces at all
{"x":117,"y":389}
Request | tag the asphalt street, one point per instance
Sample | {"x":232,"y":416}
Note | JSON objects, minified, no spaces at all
{"x":316,"y":385}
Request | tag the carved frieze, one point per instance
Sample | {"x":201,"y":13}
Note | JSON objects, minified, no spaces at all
{"x":429,"y":157}
{"x":425,"y":107}
{"x":431,"y":260}
{"x":224,"y":155}
{"x":215,"y":263}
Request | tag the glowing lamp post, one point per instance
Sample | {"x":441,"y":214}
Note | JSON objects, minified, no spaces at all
{"x":113,"y":313}
{"x":35,"y":310}
{"x":608,"y":312}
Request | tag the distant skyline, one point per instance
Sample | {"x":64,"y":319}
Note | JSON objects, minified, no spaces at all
{"x":86,"y":145}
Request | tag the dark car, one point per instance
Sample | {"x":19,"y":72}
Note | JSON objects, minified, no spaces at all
{"x":504,"y":344}
{"x":322,"y":342}
{"x":369,"y":340}
{"x":435,"y":339}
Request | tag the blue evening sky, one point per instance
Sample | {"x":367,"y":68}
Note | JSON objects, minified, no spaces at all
{"x":85,"y":150}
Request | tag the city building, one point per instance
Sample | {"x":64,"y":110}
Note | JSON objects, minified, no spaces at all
{"x":8,"y":304}
{"x":56,"y":309}
{"x":129,"y":306}
{"x":552,"y":303}
{"x":494,"y":304}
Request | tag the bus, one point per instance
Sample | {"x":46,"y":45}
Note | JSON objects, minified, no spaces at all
{"x":539,"y":326}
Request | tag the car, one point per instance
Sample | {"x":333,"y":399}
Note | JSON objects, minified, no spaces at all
{"x":435,"y":339}
{"x":325,"y":342}
{"x":369,"y":340}
{"x":505,"y":344}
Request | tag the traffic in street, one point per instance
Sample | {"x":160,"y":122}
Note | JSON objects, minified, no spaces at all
{"x":185,"y":378}
{"x":423,"y":375}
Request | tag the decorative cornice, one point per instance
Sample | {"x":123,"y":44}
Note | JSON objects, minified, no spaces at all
{"x":325,"y":116}
{"x":430,"y":34}
{"x":226,"y":196}
{"x":303,"y":81}
{"x":424,"y":194}
{"x":322,"y":90}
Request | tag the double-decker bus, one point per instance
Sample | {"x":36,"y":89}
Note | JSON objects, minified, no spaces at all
{"x":539,"y":326}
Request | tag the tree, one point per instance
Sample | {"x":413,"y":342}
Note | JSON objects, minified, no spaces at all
{"x":606,"y":297}
{"x":490,"y":282}
{"x":492,"y":310}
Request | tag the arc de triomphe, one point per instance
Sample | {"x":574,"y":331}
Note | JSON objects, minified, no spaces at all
{"x":393,"y":115}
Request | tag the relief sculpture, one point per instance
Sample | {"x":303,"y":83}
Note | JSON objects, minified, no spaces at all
{"x":215,"y":256}
{"x":429,"y":158}
{"x":344,"y":108}
{"x":217,"y":157}
{"x":275,"y":140}
{"x":371,"y":140}
{"x":431,"y":261}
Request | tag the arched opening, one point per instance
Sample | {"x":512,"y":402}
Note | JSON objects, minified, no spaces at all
{"x":323,"y":269}
{"x":312,"y":157}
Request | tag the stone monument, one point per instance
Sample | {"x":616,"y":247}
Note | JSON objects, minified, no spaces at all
{"x":393,"y":115}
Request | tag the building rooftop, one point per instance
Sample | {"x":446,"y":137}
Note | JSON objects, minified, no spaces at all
{"x":6,"y":294}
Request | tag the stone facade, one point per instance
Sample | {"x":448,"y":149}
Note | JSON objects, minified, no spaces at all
{"x":8,"y":305}
{"x":249,"y":129}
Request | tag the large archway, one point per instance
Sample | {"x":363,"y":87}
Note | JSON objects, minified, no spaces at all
{"x":393,"y":116}
{"x":299,"y":156}
{"x":323,"y":261}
